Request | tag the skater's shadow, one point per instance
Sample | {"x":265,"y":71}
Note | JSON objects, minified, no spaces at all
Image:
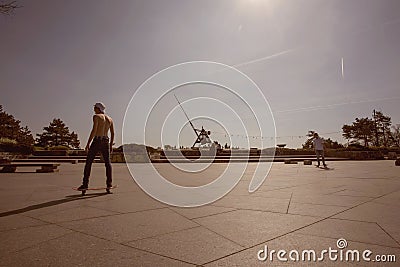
{"x":51,"y":203}
{"x":327,"y":169}
{"x":79,"y":196}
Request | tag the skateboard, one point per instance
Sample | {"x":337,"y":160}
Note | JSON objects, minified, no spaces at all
{"x":108,"y":190}
{"x":323,"y":167}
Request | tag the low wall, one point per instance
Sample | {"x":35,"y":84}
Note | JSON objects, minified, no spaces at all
{"x":11,"y":156}
{"x":50,"y":153}
{"x":119,"y":157}
{"x":356,"y":155}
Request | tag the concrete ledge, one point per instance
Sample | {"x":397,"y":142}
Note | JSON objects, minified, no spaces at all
{"x":38,"y":160}
{"x":45,"y":167}
{"x":308,"y":162}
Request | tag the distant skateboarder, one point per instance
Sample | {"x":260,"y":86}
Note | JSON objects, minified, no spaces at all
{"x":101,"y":143}
{"x":318,"y":144}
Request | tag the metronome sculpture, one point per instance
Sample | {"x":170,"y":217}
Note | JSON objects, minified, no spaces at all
{"x":203,"y":136}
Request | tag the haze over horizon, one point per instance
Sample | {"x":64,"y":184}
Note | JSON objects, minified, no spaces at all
{"x":320,"y":64}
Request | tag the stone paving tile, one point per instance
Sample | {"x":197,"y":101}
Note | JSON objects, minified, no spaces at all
{"x":14,"y":222}
{"x":315,"y":187}
{"x":390,"y":199}
{"x":343,"y":201}
{"x":253,"y":203}
{"x":268,"y":188}
{"x":371,"y":212}
{"x":128,"y":202}
{"x":356,"y":231}
{"x":241,"y":189}
{"x":387,"y":216}
{"x":177,"y":176}
{"x":290,"y":242}
{"x":391,"y":228}
{"x":15,"y":240}
{"x":304,"y":193}
{"x":21,"y":193}
{"x":251,"y":227}
{"x":192,"y":213}
{"x":16,"y":203}
{"x":196,"y":245}
{"x":132,"y":226}
{"x":358,"y":193}
{"x":279,"y":193}
{"x":81,"y":250}
{"x":72,"y":214}
{"x":48,"y":192}
{"x":56,"y":205}
{"x":282,"y":183}
{"x":314,"y":210}
{"x":378,"y":188}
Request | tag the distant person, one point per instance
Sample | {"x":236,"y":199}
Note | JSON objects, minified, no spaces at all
{"x":101,"y":143}
{"x":318,"y":144}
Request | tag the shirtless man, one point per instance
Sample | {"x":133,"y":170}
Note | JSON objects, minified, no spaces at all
{"x":101,"y":143}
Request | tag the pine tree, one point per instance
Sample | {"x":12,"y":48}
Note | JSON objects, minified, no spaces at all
{"x":395,"y":135}
{"x":381,"y":128}
{"x":361,"y":129}
{"x":376,"y":131}
{"x":74,"y":142}
{"x":8,"y":7}
{"x":57,"y":134}
{"x":11,"y":129}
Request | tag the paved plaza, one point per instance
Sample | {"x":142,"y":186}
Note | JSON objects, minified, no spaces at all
{"x":43,"y":222}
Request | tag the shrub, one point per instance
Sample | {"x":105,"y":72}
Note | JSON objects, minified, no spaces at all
{"x":7,"y":141}
{"x":15,"y":148}
{"x":59,"y":148}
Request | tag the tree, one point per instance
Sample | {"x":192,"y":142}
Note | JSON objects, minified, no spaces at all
{"x":7,"y":7}
{"x":11,"y":129}
{"x":382,"y":125}
{"x":376,"y":131}
{"x":361,"y":129}
{"x":74,"y":142}
{"x":57,"y":134}
{"x":329,"y":143}
{"x":395,"y":135}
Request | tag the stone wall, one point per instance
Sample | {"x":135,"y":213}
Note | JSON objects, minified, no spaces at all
{"x":356,"y":155}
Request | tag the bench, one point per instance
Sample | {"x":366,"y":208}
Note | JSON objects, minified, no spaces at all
{"x":54,"y":160}
{"x":45,"y":167}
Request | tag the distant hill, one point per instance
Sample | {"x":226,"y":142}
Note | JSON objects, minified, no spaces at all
{"x":135,"y":149}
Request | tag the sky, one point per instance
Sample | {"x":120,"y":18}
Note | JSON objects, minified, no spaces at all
{"x":319,"y":64}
